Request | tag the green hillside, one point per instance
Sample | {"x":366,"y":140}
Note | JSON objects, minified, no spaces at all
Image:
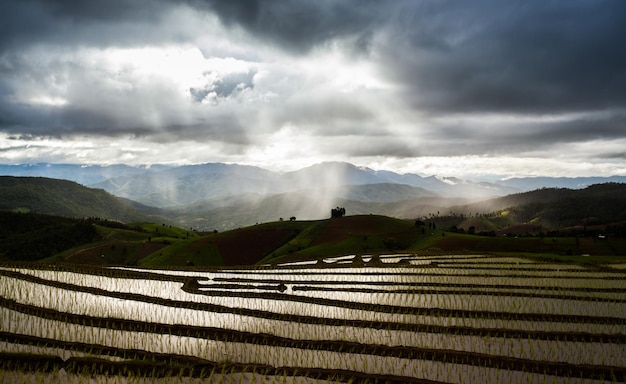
{"x":31,"y":237}
{"x":62,"y":198}
{"x":291,"y":240}
{"x":552,"y":208}
{"x":349,"y":235}
{"x":35,"y":237}
{"x":242,"y":246}
{"x":120,"y":244}
{"x":60,"y":221}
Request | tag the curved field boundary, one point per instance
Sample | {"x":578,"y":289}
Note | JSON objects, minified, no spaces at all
{"x":487,"y":267}
{"x":300,"y":272}
{"x":231,"y":336}
{"x":365,"y":270}
{"x":164,"y":366}
{"x":398,"y":326}
{"x":123,"y":273}
{"x":414,"y":284}
{"x":191,"y":286}
{"x":303,"y":288}
{"x":99,"y":350}
{"x":394,"y":309}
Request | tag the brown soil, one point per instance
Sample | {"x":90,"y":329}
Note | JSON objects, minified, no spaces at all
{"x":242,"y":247}
{"x":341,"y":228}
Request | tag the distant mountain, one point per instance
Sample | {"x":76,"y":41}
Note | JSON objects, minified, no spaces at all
{"x":382,"y":193}
{"x":189,"y":184}
{"x":115,"y":179}
{"x":194,"y":183}
{"x":62,"y":198}
{"x":219,"y":186}
{"x":82,"y":174}
{"x":532,"y":183}
{"x":335,"y":174}
{"x":394,"y":200}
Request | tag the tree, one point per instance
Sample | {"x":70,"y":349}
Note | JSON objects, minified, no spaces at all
{"x":337,"y":212}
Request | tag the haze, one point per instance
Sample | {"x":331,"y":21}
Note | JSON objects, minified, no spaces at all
{"x":465,"y":89}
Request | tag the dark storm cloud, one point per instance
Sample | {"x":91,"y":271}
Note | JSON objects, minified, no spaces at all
{"x":298,"y":25}
{"x":66,"y":121}
{"x":506,"y":138}
{"x":465,"y":56}
{"x":452,"y":56}
{"x":76,"y":22}
{"x":511,"y":56}
{"x":360,"y":77}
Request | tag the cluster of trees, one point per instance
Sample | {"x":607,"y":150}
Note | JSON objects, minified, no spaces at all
{"x":337,"y":212}
{"x":30,"y":237}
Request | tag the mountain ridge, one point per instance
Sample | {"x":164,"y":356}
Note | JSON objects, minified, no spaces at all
{"x":63,"y":198}
{"x":174,"y":185}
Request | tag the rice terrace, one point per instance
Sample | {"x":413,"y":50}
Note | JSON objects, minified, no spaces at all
{"x":380,"y":318}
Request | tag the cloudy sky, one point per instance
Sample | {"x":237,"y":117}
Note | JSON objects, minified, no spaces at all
{"x":453,"y":88}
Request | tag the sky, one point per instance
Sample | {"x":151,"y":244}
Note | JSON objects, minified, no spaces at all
{"x":452,"y":88}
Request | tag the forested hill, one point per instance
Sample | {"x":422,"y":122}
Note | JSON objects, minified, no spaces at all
{"x":62,"y":198}
{"x":561,"y":207}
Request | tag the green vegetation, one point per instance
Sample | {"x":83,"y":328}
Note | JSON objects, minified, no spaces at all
{"x":62,"y":198}
{"x":31,"y":237}
{"x":546,"y":222}
{"x":349,"y":235}
{"x":184,"y":253}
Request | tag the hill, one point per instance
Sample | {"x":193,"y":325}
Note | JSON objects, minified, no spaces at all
{"x":62,"y":198}
{"x":156,"y":246}
{"x":170,"y":185}
{"x":554,"y":208}
{"x":85,"y":174}
{"x":31,"y":237}
{"x":244,"y":246}
{"x":349,"y":235}
{"x":598,"y":209}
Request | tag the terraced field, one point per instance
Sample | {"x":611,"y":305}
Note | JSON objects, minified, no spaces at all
{"x":391,"y":319}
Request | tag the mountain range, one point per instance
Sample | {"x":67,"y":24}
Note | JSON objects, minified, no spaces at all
{"x":224,"y":196}
{"x":166,"y":185}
